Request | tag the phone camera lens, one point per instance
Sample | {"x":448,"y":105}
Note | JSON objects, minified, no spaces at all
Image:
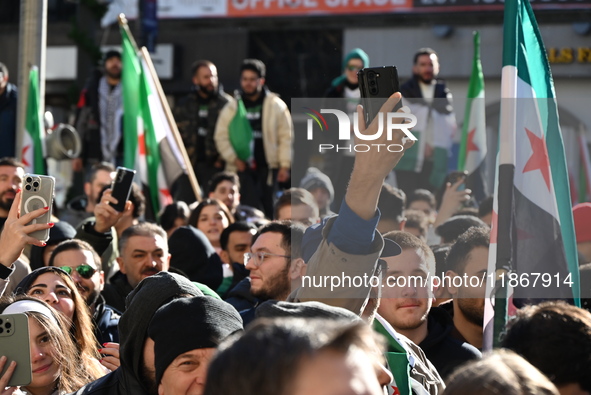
{"x":28,"y":187}
{"x":36,"y":184}
{"x":1,"y":321}
{"x":1,"y":330}
{"x":372,"y":82}
{"x":29,"y":179}
{"x":8,"y":325}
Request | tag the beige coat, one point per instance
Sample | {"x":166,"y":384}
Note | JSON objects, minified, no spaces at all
{"x":276,"y":133}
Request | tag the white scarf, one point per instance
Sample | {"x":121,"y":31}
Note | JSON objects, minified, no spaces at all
{"x":111,"y":110}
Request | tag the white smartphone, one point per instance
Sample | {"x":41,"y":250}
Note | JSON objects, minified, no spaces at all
{"x":38,"y":192}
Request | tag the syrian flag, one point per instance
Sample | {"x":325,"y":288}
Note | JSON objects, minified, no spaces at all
{"x":34,"y":136}
{"x":473,"y":145}
{"x":532,"y":236}
{"x":150,"y":146}
{"x":585,"y":171}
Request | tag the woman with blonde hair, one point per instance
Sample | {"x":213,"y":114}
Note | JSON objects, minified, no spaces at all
{"x":56,"y":365}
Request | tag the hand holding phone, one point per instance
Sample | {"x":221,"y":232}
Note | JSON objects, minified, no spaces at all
{"x":376,"y":85}
{"x":121,"y":187}
{"x":14,"y":346}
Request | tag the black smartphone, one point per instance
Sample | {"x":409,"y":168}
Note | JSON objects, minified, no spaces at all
{"x":455,"y":176}
{"x":121,"y":187}
{"x":376,"y":85}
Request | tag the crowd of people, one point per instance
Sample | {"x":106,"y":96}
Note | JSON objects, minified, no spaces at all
{"x":237,"y":293}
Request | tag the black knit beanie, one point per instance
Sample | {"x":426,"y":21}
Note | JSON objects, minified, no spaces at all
{"x":190,"y":323}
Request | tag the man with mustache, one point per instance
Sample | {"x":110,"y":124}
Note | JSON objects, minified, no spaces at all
{"x":425,"y":164}
{"x":196,"y":116}
{"x":11,"y":180}
{"x":143,"y":252}
{"x":82,"y":262}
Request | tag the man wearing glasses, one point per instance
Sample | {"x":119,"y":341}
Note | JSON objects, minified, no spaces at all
{"x":82,"y":263}
{"x":275,"y":263}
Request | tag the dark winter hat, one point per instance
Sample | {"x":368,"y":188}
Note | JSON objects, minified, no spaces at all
{"x":274,"y":309}
{"x":188,"y":324}
{"x":314,"y":178}
{"x":356,"y":53}
{"x":192,"y":253}
{"x":112,"y":54}
{"x":61,"y":231}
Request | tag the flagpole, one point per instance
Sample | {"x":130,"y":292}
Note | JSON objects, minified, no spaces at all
{"x":169,"y":117}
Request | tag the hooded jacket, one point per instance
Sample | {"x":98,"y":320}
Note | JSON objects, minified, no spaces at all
{"x":200,"y":262}
{"x":150,"y":294}
{"x":443,"y":350}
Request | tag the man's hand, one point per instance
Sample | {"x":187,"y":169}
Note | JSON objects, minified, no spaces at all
{"x":106,"y":216}
{"x":240,"y":165}
{"x":451,"y":201}
{"x":372,"y":167}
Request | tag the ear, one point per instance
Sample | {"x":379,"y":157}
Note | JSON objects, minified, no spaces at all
{"x":121,"y":265}
{"x":87,"y":188}
{"x":262,"y":81}
{"x":297,"y":269}
{"x":166,"y":263}
{"x":160,"y":389}
{"x":101,"y":280}
{"x":402,"y":224}
{"x":450,"y":287}
{"x":225,"y":256}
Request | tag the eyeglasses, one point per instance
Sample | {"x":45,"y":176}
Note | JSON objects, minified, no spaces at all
{"x":259,"y":257}
{"x":85,"y":271}
{"x":354,"y":68}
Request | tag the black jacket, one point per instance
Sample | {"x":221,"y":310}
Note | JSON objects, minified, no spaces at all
{"x":411,"y":91}
{"x":105,"y":320}
{"x":443,"y":350}
{"x":186,"y":114}
{"x":240,"y":296}
{"x":142,"y":303}
{"x":116,"y":292}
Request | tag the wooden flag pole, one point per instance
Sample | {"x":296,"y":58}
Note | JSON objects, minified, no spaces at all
{"x":169,"y":117}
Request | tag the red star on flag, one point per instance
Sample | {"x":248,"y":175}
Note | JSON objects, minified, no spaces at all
{"x":539,"y":157}
{"x":142,"y":144}
{"x":471,"y":145}
{"x":23,"y":155}
{"x":167,"y":195}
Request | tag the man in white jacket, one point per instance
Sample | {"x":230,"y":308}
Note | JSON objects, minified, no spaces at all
{"x":269,"y":161}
